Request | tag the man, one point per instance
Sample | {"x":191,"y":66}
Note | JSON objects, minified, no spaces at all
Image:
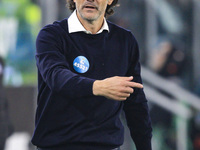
{"x":88,"y":72}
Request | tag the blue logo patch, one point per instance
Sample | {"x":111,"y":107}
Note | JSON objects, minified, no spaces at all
{"x":81,"y":64}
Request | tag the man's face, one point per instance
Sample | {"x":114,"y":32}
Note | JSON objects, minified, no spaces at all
{"x":91,"y":10}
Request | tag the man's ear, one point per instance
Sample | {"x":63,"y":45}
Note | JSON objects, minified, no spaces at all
{"x":110,"y":2}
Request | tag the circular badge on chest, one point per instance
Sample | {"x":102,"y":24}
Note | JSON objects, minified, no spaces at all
{"x":81,"y":64}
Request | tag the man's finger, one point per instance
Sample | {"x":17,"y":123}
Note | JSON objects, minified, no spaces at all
{"x":122,"y":98}
{"x":135,"y":85}
{"x":128,"y":78}
{"x":124,"y":95}
{"x":128,"y":90}
{"x":125,"y":78}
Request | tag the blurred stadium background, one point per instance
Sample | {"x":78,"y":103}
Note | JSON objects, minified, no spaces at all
{"x":168,"y":32}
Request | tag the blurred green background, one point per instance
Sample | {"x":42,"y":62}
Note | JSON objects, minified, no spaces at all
{"x":20,"y":22}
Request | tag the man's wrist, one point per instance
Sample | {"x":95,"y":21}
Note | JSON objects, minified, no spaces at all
{"x":96,"y":87}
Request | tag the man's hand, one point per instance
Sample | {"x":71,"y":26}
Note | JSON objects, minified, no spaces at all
{"x":116,"y":88}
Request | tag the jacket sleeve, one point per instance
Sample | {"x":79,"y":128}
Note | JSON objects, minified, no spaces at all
{"x":54,"y":68}
{"x":136,"y":108}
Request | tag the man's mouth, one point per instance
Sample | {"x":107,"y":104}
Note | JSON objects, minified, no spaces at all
{"x":90,"y":7}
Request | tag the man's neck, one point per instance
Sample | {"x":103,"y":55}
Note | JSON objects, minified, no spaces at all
{"x":92,"y":26}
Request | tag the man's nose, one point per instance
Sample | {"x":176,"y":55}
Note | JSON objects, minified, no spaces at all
{"x":90,"y":0}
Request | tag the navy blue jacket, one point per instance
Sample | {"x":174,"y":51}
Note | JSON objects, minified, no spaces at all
{"x":68,"y":115}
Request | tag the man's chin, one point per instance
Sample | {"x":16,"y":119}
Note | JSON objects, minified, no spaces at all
{"x":90,"y":18}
